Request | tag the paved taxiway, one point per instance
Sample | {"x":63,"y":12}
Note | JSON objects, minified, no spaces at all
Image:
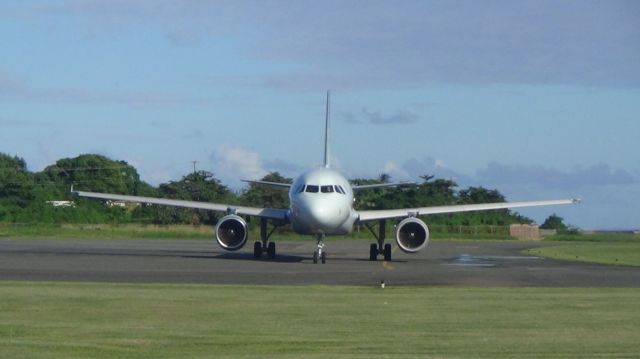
{"x":443,"y":263}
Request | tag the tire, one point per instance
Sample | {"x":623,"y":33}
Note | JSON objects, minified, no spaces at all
{"x":315,"y":257}
{"x":387,"y":252}
{"x":257,"y":250}
{"x":271,"y":250}
{"x":373,"y":252}
{"x":323,"y":257}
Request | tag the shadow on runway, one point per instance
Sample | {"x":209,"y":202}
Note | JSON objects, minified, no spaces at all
{"x":249,"y":257}
{"x":379,"y":260}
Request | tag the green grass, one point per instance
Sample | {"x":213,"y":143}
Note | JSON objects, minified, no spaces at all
{"x":105,"y":231}
{"x":74,"y":320}
{"x":616,"y":253}
{"x":595,"y":237}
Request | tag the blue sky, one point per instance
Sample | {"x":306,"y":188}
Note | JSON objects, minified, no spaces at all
{"x":539,"y":99}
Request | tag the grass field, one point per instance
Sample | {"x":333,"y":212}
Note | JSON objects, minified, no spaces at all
{"x":616,"y":253}
{"x":64,"y":320}
{"x":595,"y":237}
{"x":105,"y":231}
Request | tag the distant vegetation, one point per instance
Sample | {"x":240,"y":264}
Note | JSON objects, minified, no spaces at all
{"x":24,"y":195}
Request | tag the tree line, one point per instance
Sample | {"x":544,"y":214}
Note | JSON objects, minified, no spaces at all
{"x":25,"y":195}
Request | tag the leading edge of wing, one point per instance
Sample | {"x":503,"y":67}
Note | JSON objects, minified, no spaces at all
{"x":380,"y":185}
{"x":272,"y":184}
{"x":271,"y":213}
{"x":373,"y":215}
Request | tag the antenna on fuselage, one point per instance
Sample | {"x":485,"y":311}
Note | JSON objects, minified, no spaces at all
{"x":326,"y":135}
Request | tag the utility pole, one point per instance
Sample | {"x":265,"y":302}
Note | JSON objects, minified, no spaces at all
{"x":194,"y":167}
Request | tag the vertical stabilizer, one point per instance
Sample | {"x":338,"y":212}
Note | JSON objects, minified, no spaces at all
{"x":326,"y":135}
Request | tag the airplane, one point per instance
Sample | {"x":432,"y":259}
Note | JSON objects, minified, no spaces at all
{"x":321,"y":203}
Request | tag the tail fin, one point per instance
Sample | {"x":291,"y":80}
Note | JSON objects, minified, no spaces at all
{"x":326,"y":135}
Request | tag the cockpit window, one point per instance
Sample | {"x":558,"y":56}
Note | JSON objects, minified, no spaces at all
{"x":312,"y":188}
{"x":300,"y":189}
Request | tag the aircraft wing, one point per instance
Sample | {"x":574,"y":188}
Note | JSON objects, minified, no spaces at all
{"x":374,"y":215}
{"x":272,"y":184}
{"x":380,"y":185}
{"x":271,"y":213}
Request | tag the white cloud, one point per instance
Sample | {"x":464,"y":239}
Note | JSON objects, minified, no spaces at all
{"x":396,"y":172}
{"x":416,"y":167}
{"x":232,"y":164}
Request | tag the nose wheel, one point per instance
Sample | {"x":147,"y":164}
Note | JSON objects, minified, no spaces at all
{"x":319,"y":253}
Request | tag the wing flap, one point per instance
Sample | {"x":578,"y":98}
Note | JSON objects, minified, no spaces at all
{"x":271,"y":213}
{"x":373,"y":215}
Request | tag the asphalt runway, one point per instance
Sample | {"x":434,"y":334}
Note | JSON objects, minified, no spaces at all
{"x":443,"y":263}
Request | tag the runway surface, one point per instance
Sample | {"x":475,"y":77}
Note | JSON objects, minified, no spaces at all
{"x":443,"y":263}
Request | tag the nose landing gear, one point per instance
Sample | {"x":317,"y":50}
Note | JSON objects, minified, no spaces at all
{"x":319,"y":253}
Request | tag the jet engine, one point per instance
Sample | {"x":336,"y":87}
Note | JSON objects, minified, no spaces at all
{"x":412,"y":235}
{"x":231,"y":232}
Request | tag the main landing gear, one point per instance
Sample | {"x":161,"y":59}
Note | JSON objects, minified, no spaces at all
{"x":379,"y":248}
{"x":319,"y":253}
{"x":264,"y":245}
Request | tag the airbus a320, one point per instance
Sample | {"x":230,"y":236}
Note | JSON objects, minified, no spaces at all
{"x":321,"y":203}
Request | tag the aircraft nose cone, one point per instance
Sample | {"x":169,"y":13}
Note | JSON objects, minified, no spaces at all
{"x":326,"y":216}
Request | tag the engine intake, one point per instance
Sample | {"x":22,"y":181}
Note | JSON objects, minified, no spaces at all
{"x":231,"y":232}
{"x":412,"y":235}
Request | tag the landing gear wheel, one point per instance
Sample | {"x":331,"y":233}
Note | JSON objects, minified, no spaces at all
{"x":257,"y":250}
{"x":271,"y":250}
{"x":373,"y":252}
{"x":319,"y":252}
{"x":387,"y":252}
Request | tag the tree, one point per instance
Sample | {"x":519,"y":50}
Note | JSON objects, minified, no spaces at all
{"x":554,"y":222}
{"x":260,"y":195}
{"x":15,"y":163}
{"x":16,"y":186}
{"x":16,"y":183}
{"x":94,"y":172}
{"x":480,"y":195}
{"x":370,"y":198}
{"x":200,"y":186}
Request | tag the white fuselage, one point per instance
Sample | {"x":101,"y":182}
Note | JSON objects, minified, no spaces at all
{"x":321,"y":203}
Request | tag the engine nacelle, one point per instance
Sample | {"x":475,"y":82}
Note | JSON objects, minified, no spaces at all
{"x":231,"y":232}
{"x":412,"y":235}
